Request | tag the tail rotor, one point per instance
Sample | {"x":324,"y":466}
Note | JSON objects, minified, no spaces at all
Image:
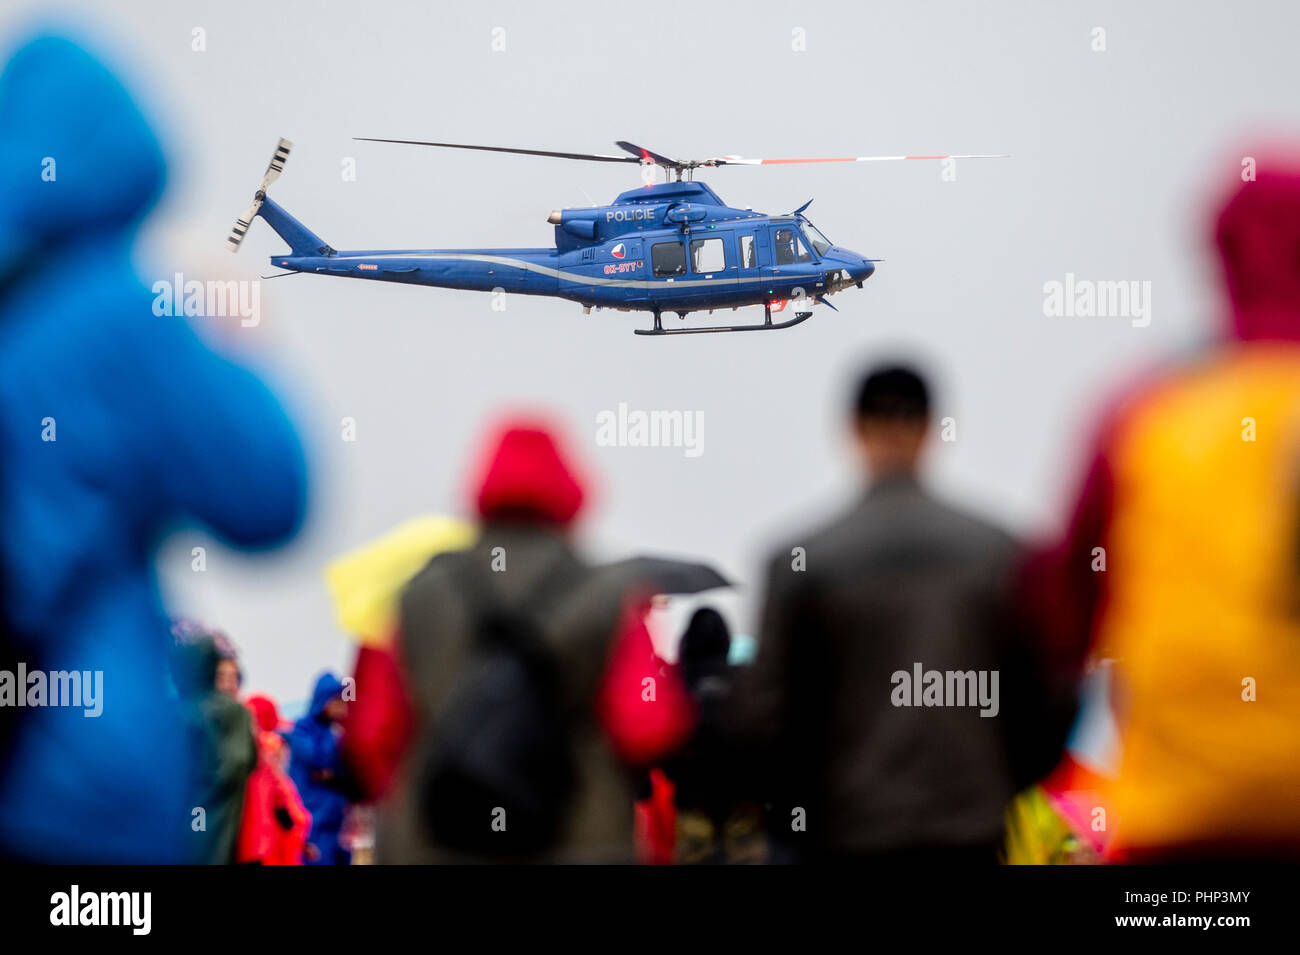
{"x":242,"y":224}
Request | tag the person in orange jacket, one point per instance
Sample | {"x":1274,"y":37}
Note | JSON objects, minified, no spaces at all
{"x":275,"y":824}
{"x":1181,"y":563}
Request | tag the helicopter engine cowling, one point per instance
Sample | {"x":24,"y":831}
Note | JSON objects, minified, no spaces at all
{"x":581,"y":228}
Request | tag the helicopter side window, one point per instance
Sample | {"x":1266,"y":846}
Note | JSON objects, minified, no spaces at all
{"x":784,"y":244}
{"x":748,"y":259}
{"x":802,"y":250}
{"x":707,"y":255}
{"x":668,"y":258}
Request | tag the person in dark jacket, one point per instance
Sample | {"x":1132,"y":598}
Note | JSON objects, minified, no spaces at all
{"x":620,"y":711}
{"x":219,"y":737}
{"x":116,"y":424}
{"x":317,"y":768}
{"x":716,"y":818}
{"x":876,"y":687}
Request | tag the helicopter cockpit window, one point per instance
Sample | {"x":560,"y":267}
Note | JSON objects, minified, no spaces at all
{"x":819,"y":241}
{"x":707,"y":255}
{"x":668,"y":258}
{"x":790,"y":248}
{"x":784,"y":245}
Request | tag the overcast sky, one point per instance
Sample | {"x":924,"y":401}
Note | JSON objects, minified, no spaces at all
{"x":1115,"y":158}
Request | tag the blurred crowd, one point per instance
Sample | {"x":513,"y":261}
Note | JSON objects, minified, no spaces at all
{"x":918,"y":674}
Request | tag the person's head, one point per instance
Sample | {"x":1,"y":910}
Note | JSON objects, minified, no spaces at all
{"x":891,"y":415}
{"x":525,"y":477}
{"x":702,"y":653}
{"x":266,"y":716}
{"x":706,"y":640}
{"x":228,"y":678}
{"x":335,"y":710}
{"x":66,"y":114}
{"x":203,"y":660}
{"x":327,"y":704}
{"x":1257,"y":233}
{"x":193,"y":662}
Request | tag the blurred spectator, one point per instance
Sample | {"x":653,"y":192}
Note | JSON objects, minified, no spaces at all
{"x":229,"y":676}
{"x":276,"y":823}
{"x":367,"y":585}
{"x":317,"y":769}
{"x":219,"y":738}
{"x":114,"y":424}
{"x":866,"y":764}
{"x":716,"y":819}
{"x":527,"y":691}
{"x":1182,"y":561}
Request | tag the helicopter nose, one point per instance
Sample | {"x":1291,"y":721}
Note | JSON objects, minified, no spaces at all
{"x":858,"y":268}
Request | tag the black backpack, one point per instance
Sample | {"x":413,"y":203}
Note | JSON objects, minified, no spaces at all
{"x":499,"y":772}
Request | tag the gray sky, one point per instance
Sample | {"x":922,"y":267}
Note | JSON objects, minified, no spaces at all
{"x":1115,"y":156}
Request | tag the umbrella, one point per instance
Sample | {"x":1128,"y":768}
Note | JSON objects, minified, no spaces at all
{"x":666,"y":575}
{"x":367,"y":583}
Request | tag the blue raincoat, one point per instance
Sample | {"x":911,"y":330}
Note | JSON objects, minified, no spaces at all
{"x":317,"y":769}
{"x":114,"y":423}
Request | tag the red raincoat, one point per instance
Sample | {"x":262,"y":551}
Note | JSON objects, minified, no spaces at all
{"x":275,"y":823}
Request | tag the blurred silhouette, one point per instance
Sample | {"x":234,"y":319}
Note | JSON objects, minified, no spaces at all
{"x":862,"y":764}
{"x":114,"y":424}
{"x":319,"y":772}
{"x":219,"y":742}
{"x":533,"y":686}
{"x":276,"y":823}
{"x":366,"y":585}
{"x":1182,"y":561}
{"x":229,"y":675}
{"x":717,"y":819}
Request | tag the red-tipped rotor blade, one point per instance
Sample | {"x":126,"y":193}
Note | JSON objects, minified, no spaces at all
{"x":742,"y":161}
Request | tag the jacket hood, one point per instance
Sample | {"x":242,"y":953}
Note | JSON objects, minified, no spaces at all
{"x":328,"y":686}
{"x":524,"y":476}
{"x":1258,"y":237}
{"x":265,"y":715}
{"x":194,"y":667}
{"x":76,"y":153}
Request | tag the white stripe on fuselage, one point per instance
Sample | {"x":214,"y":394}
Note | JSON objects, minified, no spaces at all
{"x":574,"y":277}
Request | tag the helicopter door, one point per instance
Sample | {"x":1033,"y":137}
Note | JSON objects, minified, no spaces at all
{"x":763,"y":247}
{"x":748,"y":254}
{"x":790,"y":273}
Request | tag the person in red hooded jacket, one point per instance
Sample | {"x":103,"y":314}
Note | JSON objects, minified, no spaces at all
{"x":275,"y":824}
{"x":626,"y":711}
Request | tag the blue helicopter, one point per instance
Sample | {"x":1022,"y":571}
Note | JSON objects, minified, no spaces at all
{"x":672,"y":246}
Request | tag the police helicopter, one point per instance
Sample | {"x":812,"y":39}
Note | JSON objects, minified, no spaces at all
{"x":671,"y":246}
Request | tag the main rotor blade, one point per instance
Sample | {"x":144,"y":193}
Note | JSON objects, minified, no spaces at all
{"x":593,"y":157}
{"x":645,"y":155}
{"x":742,"y":161}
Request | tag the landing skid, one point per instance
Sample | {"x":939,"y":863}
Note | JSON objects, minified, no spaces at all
{"x":767,"y":326}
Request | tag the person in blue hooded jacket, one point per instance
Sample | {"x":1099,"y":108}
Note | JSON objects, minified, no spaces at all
{"x":317,"y":768}
{"x":115,"y":424}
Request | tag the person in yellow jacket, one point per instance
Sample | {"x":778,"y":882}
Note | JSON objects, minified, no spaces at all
{"x":1183,"y":563}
